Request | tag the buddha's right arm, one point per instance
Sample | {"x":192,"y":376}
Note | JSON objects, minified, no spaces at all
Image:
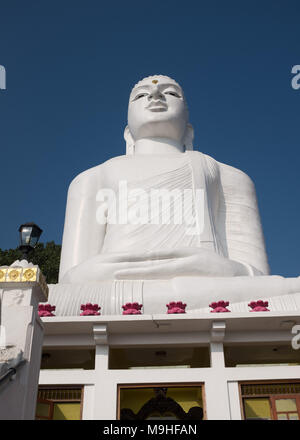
{"x":83,"y":236}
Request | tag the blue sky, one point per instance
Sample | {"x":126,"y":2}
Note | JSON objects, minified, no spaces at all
{"x":71,"y":65}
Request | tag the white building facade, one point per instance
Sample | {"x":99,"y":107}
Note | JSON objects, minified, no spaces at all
{"x":229,"y":366}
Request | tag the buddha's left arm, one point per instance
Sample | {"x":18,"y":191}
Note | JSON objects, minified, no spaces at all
{"x":241,"y":234}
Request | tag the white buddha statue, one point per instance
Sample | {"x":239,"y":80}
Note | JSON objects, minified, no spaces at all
{"x":220,"y":235}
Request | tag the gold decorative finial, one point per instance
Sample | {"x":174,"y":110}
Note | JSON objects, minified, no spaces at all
{"x":155,"y":81}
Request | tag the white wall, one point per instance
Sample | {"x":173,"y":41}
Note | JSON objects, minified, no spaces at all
{"x":24,"y":331}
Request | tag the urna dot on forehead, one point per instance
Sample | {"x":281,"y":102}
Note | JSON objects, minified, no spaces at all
{"x":156,"y":79}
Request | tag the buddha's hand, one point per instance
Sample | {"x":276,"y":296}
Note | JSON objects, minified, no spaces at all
{"x":180,"y":262}
{"x":162,"y":264}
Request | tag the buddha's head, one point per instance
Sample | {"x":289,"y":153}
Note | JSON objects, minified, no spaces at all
{"x":157,"y":109}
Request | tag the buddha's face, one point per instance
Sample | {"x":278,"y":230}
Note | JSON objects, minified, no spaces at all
{"x":157,"y":110}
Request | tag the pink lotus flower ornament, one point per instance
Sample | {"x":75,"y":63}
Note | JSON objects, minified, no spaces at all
{"x":45,"y":310}
{"x":132,"y":309}
{"x":89,"y":309}
{"x":176,"y":307}
{"x":219,"y":306}
{"x":259,"y":306}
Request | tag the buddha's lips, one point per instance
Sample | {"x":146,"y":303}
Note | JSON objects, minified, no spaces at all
{"x":157,"y":106}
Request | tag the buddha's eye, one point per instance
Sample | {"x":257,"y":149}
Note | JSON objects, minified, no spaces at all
{"x":173,"y":94}
{"x":140,"y":95}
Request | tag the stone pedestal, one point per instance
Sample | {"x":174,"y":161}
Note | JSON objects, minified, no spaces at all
{"x":21,"y":289}
{"x":283,"y":294}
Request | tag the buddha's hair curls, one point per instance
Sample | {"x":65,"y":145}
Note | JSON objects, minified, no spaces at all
{"x":153,"y":77}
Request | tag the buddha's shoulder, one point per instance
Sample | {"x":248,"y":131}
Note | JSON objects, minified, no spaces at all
{"x":234,"y":176}
{"x":227,"y":173}
{"x":91,"y":175}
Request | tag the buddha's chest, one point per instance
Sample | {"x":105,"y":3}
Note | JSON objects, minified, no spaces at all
{"x":148,"y":172}
{"x":161,"y":187}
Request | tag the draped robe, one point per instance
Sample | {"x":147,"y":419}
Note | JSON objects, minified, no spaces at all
{"x":228,"y":220}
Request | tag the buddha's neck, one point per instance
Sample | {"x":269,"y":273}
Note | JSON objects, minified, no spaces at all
{"x":158,"y":146}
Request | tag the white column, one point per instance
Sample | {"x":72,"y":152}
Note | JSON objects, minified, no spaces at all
{"x":216,"y":392}
{"x":217,"y":360}
{"x":234,"y":400}
{"x":88,"y":402}
{"x":105,"y":397}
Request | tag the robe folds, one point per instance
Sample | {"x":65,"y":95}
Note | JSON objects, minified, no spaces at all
{"x":203,"y":204}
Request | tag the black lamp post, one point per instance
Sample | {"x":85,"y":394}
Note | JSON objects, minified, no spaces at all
{"x":29,"y":237}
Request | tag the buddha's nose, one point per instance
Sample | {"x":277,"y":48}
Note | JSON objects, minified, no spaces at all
{"x":155,"y":94}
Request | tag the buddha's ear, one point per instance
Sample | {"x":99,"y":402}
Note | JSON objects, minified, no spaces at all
{"x":129,"y":141}
{"x":189,"y":137}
